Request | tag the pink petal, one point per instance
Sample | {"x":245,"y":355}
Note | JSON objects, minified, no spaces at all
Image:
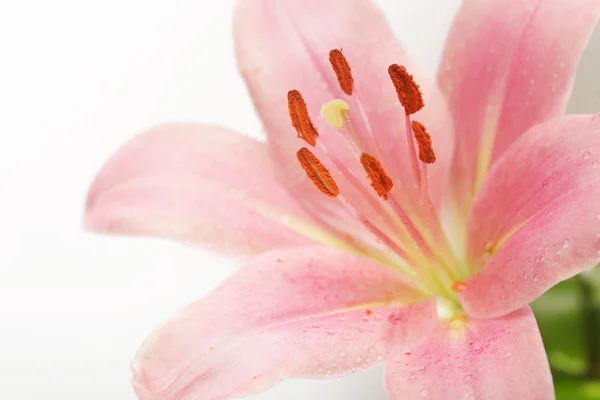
{"x":312,"y":312}
{"x":284,"y":45}
{"x":538,"y":214}
{"x":494,"y":359}
{"x":200,"y":184}
{"x":507,"y":68}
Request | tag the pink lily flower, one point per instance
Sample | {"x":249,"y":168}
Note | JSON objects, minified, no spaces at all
{"x":430,"y":228}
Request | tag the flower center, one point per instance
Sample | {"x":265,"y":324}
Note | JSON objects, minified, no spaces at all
{"x":414,"y":241}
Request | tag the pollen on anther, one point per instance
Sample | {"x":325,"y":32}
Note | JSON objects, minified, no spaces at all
{"x":407,"y":89}
{"x":317,"y":173}
{"x":380,"y":181}
{"x":426,"y":153}
{"x":342,"y":70}
{"x":300,"y":118}
{"x":459,"y":286}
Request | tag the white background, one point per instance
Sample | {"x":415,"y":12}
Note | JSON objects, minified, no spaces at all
{"x":77,"y":79}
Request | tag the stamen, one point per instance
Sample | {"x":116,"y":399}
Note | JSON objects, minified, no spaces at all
{"x":426,"y":153}
{"x":300,"y":118}
{"x":407,"y":89}
{"x":335,"y":113}
{"x":317,"y":173}
{"x":342,"y":70}
{"x":380,"y":181}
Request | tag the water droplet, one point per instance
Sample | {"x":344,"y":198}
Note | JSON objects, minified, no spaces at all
{"x":424,"y":393}
{"x":379,"y":357}
{"x":508,"y":354}
{"x":587,"y":155}
{"x":342,"y":354}
{"x":334,"y":364}
{"x":320,"y":368}
{"x":395,"y":318}
{"x":377,"y":316}
{"x":372,"y":350}
{"x":566,"y":244}
{"x":346,"y":335}
{"x":358,"y":360}
{"x":330,"y":332}
{"x":595,"y":164}
{"x":536,"y":277}
{"x":468,"y":378}
{"x":545,"y":183}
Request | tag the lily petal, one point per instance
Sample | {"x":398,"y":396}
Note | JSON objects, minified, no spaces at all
{"x":492,"y":359}
{"x":284,"y":45}
{"x":200,"y":184}
{"x":506,"y":69}
{"x":537,"y":215}
{"x":312,"y":312}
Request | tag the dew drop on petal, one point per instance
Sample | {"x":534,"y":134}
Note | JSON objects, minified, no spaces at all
{"x":587,"y":155}
{"x":536,"y":277}
{"x":566,"y":244}
{"x":545,"y":183}
{"x":341,"y":354}
{"x":424,"y":393}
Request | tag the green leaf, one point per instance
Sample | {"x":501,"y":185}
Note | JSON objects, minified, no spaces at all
{"x":572,"y":389}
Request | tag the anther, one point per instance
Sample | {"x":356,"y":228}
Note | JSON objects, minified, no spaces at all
{"x":407,"y":89}
{"x":335,"y":113}
{"x":426,"y":153}
{"x":380,"y":181}
{"x":300,"y":118}
{"x":317,"y":173}
{"x":342,"y":70}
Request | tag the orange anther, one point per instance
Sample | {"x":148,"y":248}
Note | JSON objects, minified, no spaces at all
{"x":426,"y":153}
{"x":407,"y":89}
{"x":380,"y":181}
{"x":300,"y":118}
{"x":459,"y":286}
{"x":317,"y":173}
{"x":342,"y":70}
